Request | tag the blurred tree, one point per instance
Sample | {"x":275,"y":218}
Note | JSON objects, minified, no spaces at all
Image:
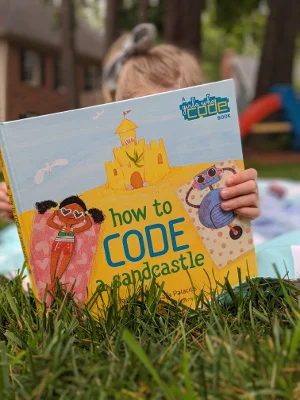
{"x":111,"y":22}
{"x":64,"y":16}
{"x":278,"y":52}
{"x":143,"y":8}
{"x":172,"y":21}
{"x":68,"y":26}
{"x":183,"y":23}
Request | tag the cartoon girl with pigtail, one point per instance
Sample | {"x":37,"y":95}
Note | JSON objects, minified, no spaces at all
{"x":74,"y":217}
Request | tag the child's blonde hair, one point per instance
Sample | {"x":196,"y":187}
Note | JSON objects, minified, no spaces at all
{"x":165,"y":67}
{"x":161,"y":68}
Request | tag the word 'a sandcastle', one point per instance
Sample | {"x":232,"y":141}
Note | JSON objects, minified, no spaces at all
{"x":136,"y":164}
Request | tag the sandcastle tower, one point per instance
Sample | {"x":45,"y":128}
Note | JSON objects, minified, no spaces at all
{"x":127,"y":132}
{"x":136,"y":164}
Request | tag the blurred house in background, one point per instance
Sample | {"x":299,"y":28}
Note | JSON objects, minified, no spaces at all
{"x":30,"y":63}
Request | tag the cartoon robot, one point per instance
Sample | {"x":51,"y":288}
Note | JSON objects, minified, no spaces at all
{"x":210,"y":213}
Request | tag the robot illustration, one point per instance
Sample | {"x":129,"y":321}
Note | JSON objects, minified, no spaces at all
{"x":210,"y":213}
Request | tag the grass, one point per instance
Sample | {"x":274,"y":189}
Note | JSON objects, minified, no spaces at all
{"x":245,"y":346}
{"x":283,"y":171}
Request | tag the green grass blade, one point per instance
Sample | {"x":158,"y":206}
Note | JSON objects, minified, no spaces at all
{"x":139,"y":352}
{"x":4,"y":371}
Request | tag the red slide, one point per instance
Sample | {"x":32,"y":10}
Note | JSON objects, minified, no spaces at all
{"x":258,"y":111}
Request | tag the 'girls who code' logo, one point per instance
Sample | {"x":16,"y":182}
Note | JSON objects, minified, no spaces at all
{"x":208,"y":107}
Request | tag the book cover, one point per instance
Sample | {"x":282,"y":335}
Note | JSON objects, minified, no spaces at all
{"x":130,"y":191}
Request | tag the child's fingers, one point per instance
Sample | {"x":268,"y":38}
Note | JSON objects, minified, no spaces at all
{"x":248,"y":212}
{"x":4,"y":196}
{"x":7,"y":216}
{"x":241,"y":177}
{"x":5,"y":206}
{"x":3,"y":187}
{"x":239,"y":190}
{"x":249,"y":200}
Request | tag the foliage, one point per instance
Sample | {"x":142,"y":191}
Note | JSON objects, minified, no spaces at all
{"x":136,"y":159}
{"x":128,"y":16}
{"x":87,"y":9}
{"x":245,"y":346}
{"x":278,"y":171}
{"x":244,"y":34}
{"x":230,"y":12}
{"x":92,"y":12}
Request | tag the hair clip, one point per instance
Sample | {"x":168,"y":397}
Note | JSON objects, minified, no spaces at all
{"x":140,"y":41}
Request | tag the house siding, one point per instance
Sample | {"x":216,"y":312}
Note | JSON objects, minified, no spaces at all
{"x":24,"y":99}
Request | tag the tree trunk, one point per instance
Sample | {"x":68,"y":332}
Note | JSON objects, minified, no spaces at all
{"x":183,"y":23}
{"x":191,"y":29}
{"x":68,"y":52}
{"x":172,"y":21}
{"x":111,"y":23}
{"x":143,"y":8}
{"x":277,"y":56}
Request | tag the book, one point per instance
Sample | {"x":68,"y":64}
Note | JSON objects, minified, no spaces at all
{"x":130,"y":191}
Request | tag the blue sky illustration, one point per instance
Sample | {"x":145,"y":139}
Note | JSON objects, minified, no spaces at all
{"x":87,"y":143}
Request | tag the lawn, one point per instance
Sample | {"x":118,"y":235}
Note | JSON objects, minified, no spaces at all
{"x":283,"y":171}
{"x":244,"y":347}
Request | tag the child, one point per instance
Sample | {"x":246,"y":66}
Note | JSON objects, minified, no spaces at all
{"x":134,"y":69}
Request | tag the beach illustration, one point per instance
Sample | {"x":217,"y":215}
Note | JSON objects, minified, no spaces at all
{"x":139,"y":173}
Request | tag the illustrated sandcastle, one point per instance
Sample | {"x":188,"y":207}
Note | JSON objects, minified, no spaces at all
{"x":136,"y":164}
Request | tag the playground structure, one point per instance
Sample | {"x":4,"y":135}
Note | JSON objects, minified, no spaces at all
{"x":282,"y":98}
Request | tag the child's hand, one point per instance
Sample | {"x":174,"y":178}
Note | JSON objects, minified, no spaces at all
{"x":241,"y":194}
{"x":5,"y":207}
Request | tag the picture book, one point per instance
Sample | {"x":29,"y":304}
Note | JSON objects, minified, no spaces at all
{"x":130,"y":191}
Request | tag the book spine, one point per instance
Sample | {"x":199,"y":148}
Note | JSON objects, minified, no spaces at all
{"x":14,"y":210}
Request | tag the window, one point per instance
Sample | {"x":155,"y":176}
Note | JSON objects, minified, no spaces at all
{"x":159,"y":159}
{"x":91,"y":76}
{"x":32,"y":68}
{"x":58,"y":74}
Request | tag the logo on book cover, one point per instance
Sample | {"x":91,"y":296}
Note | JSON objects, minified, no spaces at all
{"x":210,"y":106}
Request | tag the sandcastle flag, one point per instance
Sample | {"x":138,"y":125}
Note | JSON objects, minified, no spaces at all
{"x":126,"y":112}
